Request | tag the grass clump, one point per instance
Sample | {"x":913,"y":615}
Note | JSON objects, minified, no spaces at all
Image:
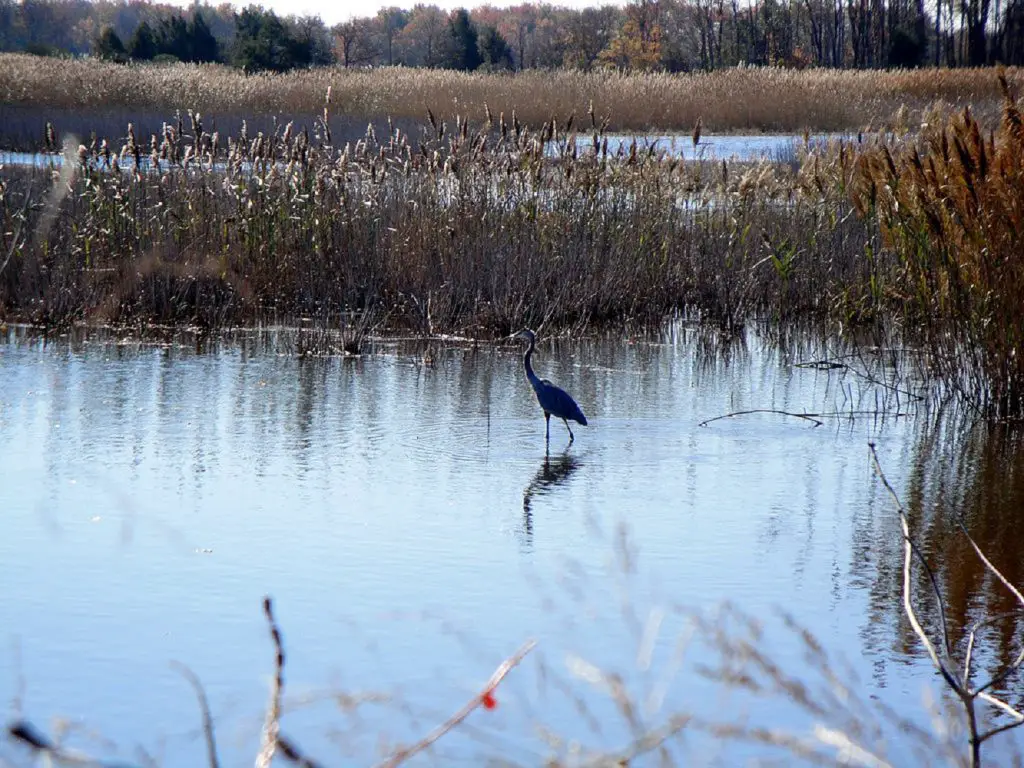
{"x":950,"y":205}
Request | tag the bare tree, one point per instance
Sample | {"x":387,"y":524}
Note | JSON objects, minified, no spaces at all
{"x":355,"y":42}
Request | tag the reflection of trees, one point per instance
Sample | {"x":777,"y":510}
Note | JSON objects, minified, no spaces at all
{"x":973,"y":474}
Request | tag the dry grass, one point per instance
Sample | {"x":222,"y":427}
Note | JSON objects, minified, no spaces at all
{"x":452,"y":230}
{"x":951,"y":205}
{"x":758,"y":99}
{"x":481,"y":227}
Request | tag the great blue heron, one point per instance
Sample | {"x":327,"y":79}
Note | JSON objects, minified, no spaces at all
{"x":552,"y":399}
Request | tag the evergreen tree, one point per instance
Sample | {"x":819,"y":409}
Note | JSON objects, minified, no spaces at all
{"x":463,"y":51}
{"x":173,"y":39}
{"x":142,"y":46}
{"x":264,"y":42}
{"x":494,"y":49}
{"x":108,"y":46}
{"x":203,"y":44}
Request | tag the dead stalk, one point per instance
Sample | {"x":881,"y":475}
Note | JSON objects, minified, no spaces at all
{"x":485,"y":695}
{"x":204,"y":708}
{"x":272,"y":724}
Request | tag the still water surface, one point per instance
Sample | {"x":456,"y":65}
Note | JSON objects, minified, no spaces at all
{"x":402,"y":512}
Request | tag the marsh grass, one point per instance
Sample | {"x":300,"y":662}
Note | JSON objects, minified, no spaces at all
{"x":759,"y":99}
{"x":950,"y":204}
{"x":481,"y":226}
{"x":452,"y":229}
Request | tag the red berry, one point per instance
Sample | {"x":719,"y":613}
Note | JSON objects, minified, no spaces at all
{"x":488,"y":700}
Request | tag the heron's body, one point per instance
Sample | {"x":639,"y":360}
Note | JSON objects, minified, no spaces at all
{"x":553,"y":400}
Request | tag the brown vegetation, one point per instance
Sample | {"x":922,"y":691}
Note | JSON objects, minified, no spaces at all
{"x":753,"y":99}
{"x":456,"y":230}
{"x":951,"y":205}
{"x":481,"y":230}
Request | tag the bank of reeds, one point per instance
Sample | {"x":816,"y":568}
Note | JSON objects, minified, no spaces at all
{"x":951,"y":206}
{"x":481,"y":228}
{"x":747,"y":99}
{"x":451,"y":230}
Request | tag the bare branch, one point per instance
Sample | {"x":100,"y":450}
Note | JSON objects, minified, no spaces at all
{"x":806,"y":416}
{"x":204,"y":708}
{"x":272,"y":724}
{"x":911,"y":549}
{"x":293,"y":754}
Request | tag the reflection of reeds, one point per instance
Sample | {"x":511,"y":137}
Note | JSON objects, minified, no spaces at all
{"x":959,"y":676}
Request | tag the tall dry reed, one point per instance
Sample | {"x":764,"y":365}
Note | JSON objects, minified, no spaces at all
{"x":747,"y":99}
{"x":452,"y":229}
{"x":951,"y":206}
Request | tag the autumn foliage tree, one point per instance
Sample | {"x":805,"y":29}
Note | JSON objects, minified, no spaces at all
{"x":637,"y":45}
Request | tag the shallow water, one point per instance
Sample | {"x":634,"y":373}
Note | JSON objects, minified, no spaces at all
{"x":737,"y":147}
{"x":402,"y":511}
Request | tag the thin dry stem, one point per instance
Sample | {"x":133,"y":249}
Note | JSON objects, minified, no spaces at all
{"x":272,"y":724}
{"x":477,"y":701}
{"x":204,"y":708}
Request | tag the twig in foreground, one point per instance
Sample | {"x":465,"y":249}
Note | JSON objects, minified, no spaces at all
{"x":484,"y":698}
{"x":272,"y":740}
{"x":26,"y":733}
{"x":272,"y":724}
{"x":204,"y":708}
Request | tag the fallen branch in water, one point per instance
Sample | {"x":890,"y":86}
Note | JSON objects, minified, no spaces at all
{"x":485,"y":699}
{"x":807,"y":416}
{"x":958,"y":682}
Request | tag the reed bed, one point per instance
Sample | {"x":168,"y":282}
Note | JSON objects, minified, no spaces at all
{"x":951,"y":205}
{"x":481,"y":229}
{"x":453,"y":230}
{"x":758,"y":99}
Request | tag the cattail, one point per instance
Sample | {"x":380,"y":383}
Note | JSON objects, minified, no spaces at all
{"x":695,"y":137}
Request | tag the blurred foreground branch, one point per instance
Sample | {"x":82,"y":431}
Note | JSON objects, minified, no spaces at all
{"x":959,"y":681}
{"x":485,"y":699}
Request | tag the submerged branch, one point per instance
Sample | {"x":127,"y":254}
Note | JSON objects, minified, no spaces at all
{"x":806,"y":416}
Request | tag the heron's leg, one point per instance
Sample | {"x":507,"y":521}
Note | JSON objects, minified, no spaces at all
{"x":547,"y":426}
{"x":571,"y":435}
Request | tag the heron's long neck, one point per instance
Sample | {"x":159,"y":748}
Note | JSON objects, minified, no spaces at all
{"x":530,"y":375}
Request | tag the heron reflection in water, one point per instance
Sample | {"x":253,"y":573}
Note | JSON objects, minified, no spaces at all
{"x":553,"y":472}
{"x":553,"y":400}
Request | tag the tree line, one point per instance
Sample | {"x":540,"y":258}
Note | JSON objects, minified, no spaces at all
{"x":669,"y":35}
